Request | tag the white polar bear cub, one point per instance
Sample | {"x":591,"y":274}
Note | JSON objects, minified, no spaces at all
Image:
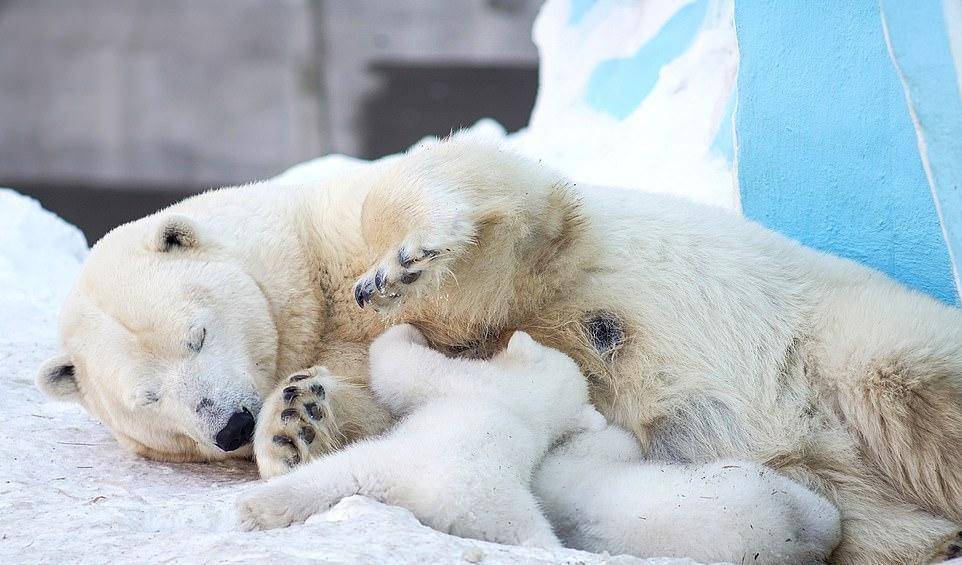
{"x":601,"y":495}
{"x":462,"y":456}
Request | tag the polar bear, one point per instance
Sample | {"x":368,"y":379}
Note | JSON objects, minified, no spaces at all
{"x":600,"y":495}
{"x":705,"y":335}
{"x":470,"y":435}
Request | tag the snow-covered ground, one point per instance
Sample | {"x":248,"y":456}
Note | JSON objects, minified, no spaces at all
{"x":69,"y":492}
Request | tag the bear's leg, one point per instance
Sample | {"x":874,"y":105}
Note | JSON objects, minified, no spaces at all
{"x":878,"y":525}
{"x":877,"y":531}
{"x":478,"y":241}
{"x":312,"y":413}
{"x":511,"y":517}
{"x":296,"y":496}
{"x":893,"y":361}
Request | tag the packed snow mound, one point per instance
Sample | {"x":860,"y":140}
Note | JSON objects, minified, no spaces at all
{"x":40,"y":257}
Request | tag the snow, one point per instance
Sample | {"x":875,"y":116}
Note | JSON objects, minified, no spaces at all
{"x":69,"y":492}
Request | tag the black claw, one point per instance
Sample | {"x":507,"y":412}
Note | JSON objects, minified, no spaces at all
{"x":313,"y":411}
{"x":318,"y":389}
{"x":409,"y":278}
{"x":428,"y":253}
{"x":363,"y":291}
{"x":293,"y":460}
{"x":307,"y":434}
{"x":283,"y":440}
{"x":290,"y":393}
{"x":289,"y":414}
{"x":379,"y":280}
{"x":299,"y":377}
{"x":952,"y":550}
{"x":404,"y":259}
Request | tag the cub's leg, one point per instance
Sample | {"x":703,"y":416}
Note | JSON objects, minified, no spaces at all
{"x":309,"y":414}
{"x":602,"y":496}
{"x":296,"y":496}
{"x":512,"y":516}
{"x":466,"y":237}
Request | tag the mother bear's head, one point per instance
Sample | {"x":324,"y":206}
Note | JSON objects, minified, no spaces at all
{"x":168,"y":341}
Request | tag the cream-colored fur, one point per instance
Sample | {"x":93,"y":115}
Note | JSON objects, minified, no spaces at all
{"x":721,"y":339}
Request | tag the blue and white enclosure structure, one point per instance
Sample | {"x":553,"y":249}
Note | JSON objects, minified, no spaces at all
{"x":839,"y":125}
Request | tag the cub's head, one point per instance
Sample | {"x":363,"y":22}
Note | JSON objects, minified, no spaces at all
{"x":552,"y":379}
{"x":167,"y":341}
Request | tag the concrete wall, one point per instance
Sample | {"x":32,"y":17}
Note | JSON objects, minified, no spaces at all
{"x":179,"y":95}
{"x":360,"y":34}
{"x":145,"y":94}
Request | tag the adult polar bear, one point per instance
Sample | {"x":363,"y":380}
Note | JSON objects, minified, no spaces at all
{"x":703,"y":333}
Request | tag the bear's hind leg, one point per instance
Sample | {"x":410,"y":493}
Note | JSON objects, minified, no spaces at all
{"x":892,"y":361}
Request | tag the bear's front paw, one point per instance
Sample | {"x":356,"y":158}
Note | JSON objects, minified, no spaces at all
{"x":417,"y":263}
{"x":296,"y":424}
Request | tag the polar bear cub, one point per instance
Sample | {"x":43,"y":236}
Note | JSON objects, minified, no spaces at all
{"x":470,"y":435}
{"x":601,"y":496}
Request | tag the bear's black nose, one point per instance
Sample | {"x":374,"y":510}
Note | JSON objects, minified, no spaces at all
{"x":237,"y":432}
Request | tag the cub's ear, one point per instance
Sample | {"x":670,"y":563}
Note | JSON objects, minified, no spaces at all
{"x":173,"y":232}
{"x":521,"y":343}
{"x":57,"y":378}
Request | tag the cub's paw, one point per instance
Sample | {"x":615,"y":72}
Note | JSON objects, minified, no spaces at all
{"x":269,"y":505}
{"x":296,"y":423}
{"x":415,"y":264}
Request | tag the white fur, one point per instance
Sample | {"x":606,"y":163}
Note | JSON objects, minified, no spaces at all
{"x":600,"y":496}
{"x":461,"y":458}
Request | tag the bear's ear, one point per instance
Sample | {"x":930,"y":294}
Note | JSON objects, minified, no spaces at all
{"x":173,"y":232}
{"x":57,"y":378}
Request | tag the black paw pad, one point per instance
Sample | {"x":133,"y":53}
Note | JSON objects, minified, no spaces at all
{"x":280,"y":439}
{"x":605,"y":332}
{"x":408,"y":278}
{"x":318,"y":389}
{"x":289,"y":414}
{"x":299,"y":377}
{"x":290,"y":393}
{"x":307,"y":434}
{"x":313,"y":411}
{"x":953,"y":550}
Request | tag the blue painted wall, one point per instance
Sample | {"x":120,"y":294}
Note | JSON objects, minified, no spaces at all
{"x":827,"y":150}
